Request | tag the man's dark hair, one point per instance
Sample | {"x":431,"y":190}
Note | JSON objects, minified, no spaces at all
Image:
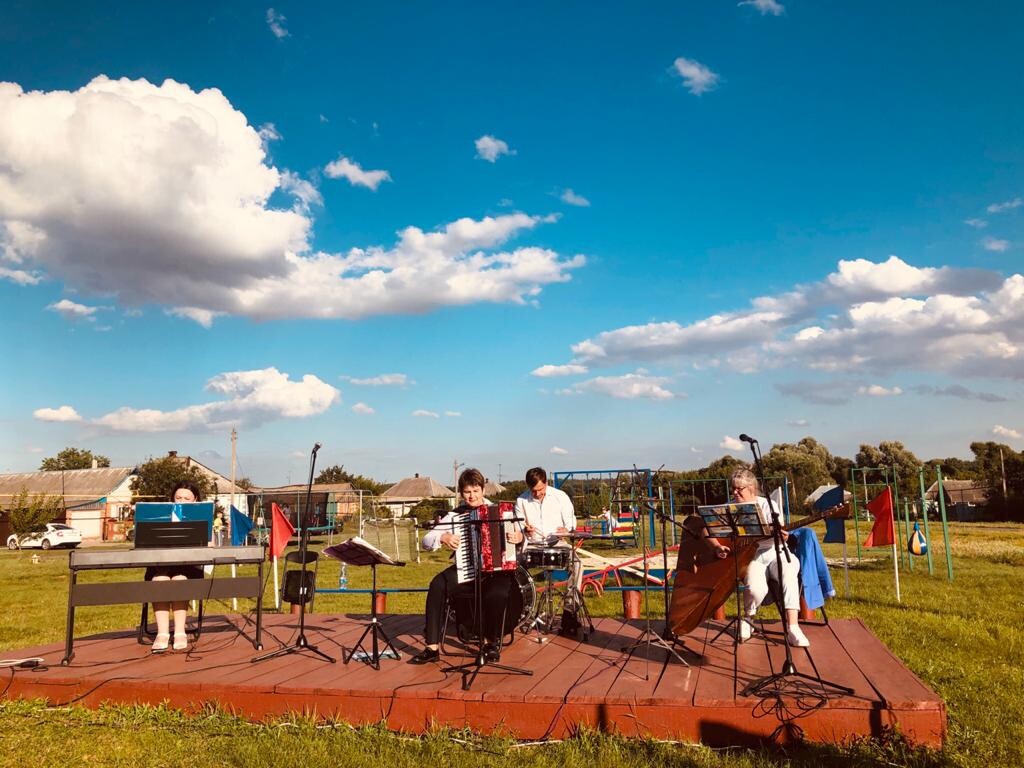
{"x":534,"y":476}
{"x":469,"y":477}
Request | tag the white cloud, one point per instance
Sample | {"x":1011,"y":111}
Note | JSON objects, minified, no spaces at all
{"x":490,"y":149}
{"x":995,"y":244}
{"x":865,"y":317}
{"x":570,"y":197}
{"x":305,"y":192}
{"x":630,"y":386}
{"x":799,"y":423}
{"x":695,"y":449}
{"x":696,"y":77}
{"x":344,"y":168}
{"x":71,"y":310}
{"x":203,"y":317}
{"x":248,"y":398}
{"x":1008,"y":205}
{"x":976,"y":223}
{"x":157,"y":194}
{"x":363,"y":408}
{"x":558,"y":451}
{"x":547,"y":371}
{"x":276,"y":22}
{"x":877,"y":390}
{"x":453,"y":414}
{"x":1002,"y":431}
{"x":731,"y":444}
{"x":268,"y":133}
{"x":424,"y":414}
{"x":382,"y":380}
{"x":64,"y":413}
{"x":766,"y":7}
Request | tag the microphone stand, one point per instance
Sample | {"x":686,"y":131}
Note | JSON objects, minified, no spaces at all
{"x":301,"y":643}
{"x":775,"y":684}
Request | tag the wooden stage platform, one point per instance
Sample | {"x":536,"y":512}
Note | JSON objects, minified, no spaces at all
{"x":574,"y":684}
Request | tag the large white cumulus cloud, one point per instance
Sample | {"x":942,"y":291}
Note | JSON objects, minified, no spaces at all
{"x":158,"y":194}
{"x":149,"y":193}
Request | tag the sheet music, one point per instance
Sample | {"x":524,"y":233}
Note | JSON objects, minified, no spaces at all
{"x":358,"y":551}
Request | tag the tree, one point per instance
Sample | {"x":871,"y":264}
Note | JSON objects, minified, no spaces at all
{"x":245,"y":483}
{"x":157,"y":478}
{"x":902,"y":464}
{"x":337,"y":474}
{"x":27,"y":516}
{"x":806,"y":464}
{"x":73,"y":458}
{"x":994,"y":461}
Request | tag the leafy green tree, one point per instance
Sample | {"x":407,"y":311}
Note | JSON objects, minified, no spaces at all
{"x":806,"y":464}
{"x":245,"y":483}
{"x":900,"y":462}
{"x":994,"y":461}
{"x":30,"y":515}
{"x":73,"y":458}
{"x":338,"y":474}
{"x":157,"y":478}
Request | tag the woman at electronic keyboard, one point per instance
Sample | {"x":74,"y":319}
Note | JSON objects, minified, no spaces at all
{"x":184,"y":492}
{"x":445,"y":585}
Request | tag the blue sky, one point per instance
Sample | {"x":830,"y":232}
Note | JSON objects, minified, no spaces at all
{"x":582,"y":237}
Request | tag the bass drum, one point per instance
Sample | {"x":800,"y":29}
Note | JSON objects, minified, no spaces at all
{"x":522,"y":607}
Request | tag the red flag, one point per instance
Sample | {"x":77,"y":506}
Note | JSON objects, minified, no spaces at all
{"x":281,"y":531}
{"x":882,"y":532}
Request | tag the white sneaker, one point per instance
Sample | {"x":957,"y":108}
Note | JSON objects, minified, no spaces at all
{"x":745,"y":630}
{"x":797,"y":638}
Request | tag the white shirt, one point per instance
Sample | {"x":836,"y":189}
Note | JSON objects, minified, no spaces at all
{"x":547,"y":516}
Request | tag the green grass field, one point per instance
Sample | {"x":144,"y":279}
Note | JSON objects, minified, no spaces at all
{"x":964,"y":639}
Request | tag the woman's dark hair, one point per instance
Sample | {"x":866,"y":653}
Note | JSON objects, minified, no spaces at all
{"x":190,"y":485}
{"x":471,"y":476}
{"x":534,"y":476}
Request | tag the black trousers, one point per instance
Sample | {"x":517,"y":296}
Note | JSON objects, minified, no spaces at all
{"x":445,"y":586}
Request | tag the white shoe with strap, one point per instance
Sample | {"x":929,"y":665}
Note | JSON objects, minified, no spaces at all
{"x":797,"y":638}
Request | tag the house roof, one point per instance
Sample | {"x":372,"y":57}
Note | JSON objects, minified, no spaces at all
{"x":959,"y":491}
{"x":493,"y":489}
{"x":416,"y":488}
{"x":222,"y":484}
{"x":301,"y":488}
{"x":76,"y":485}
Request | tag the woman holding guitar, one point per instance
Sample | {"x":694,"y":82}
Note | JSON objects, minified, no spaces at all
{"x":764,"y":566}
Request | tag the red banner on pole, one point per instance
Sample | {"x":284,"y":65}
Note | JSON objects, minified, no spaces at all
{"x":281,"y":531}
{"x":882,"y":533}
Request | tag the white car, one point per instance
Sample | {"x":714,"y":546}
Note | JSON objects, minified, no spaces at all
{"x":55,"y":535}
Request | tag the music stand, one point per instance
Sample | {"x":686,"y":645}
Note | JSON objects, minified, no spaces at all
{"x":728,"y":520}
{"x":358,"y":551}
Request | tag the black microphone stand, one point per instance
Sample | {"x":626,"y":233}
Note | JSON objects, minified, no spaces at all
{"x":775,"y":684}
{"x":301,"y":643}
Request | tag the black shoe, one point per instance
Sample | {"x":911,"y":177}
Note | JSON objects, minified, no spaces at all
{"x":426,"y":656}
{"x":491,"y":653}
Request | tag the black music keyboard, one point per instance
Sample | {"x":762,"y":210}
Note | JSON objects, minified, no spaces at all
{"x":84,"y":560}
{"x":138,"y":591}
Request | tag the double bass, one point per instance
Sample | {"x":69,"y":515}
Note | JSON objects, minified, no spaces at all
{"x":704,"y":581}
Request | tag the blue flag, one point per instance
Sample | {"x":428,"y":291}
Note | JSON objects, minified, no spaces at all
{"x":835,"y":531}
{"x":240,"y":527}
{"x":833,"y":497}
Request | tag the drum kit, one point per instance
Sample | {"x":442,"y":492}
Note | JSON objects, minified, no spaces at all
{"x":538,"y":609}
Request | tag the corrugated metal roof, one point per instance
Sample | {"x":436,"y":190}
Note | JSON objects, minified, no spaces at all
{"x":301,"y":487}
{"x":959,"y":492}
{"x":74,"y":484}
{"x":417,"y":488}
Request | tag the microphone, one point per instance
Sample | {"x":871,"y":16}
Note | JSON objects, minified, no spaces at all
{"x":316,"y":447}
{"x":747,"y":439}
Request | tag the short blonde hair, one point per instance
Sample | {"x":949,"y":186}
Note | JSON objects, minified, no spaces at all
{"x":745,"y":479}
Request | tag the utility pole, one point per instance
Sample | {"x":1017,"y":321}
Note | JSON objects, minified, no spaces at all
{"x":234,"y":454}
{"x":499,"y":473}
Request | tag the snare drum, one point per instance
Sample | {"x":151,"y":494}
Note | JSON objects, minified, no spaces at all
{"x":552,"y":558}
